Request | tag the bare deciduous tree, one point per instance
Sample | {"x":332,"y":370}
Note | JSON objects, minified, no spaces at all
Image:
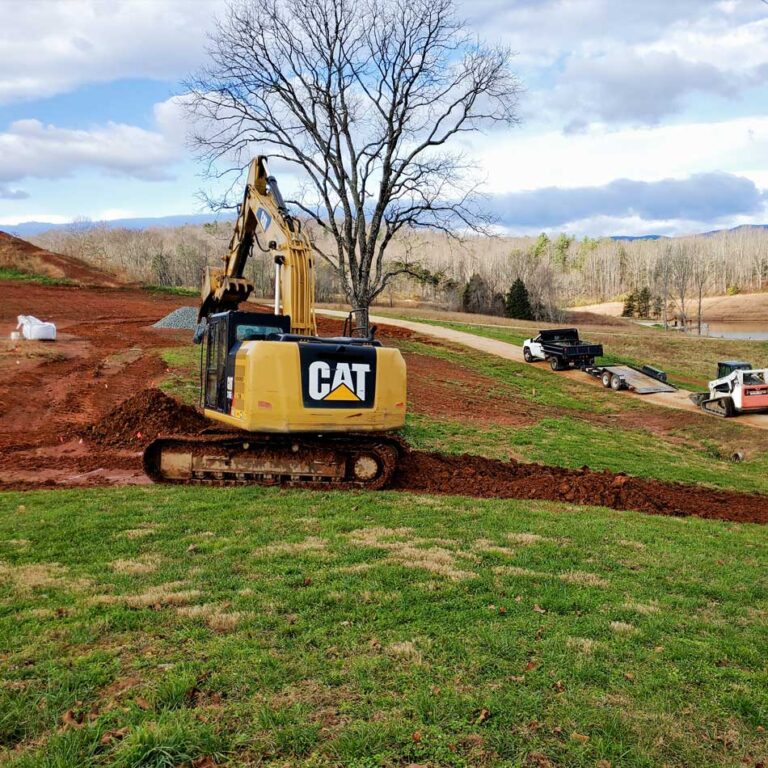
{"x":701,"y":271}
{"x":682,"y":269}
{"x":364,"y":97}
{"x":664,"y":276}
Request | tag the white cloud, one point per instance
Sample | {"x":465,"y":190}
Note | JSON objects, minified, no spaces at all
{"x":28,"y":148}
{"x":49,"y":46}
{"x":530,"y":160}
{"x":628,"y":62}
{"x":11,"y":193}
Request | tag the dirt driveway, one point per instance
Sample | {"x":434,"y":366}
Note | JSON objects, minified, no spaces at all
{"x":678,"y":400}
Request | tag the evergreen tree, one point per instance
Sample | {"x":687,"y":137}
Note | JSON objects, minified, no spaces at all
{"x":477,"y":296}
{"x":643,"y":304}
{"x":499,"y":305}
{"x":539,"y":248}
{"x":561,"y":247}
{"x":518,"y":302}
{"x":630,"y":304}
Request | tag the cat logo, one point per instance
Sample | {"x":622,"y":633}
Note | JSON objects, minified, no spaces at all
{"x":341,"y":377}
{"x":346,"y":382}
{"x":263,"y":218}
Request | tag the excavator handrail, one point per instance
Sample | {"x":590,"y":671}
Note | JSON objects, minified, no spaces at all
{"x":345,"y":340}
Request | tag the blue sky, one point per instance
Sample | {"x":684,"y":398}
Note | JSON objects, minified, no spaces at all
{"x":638,"y":117}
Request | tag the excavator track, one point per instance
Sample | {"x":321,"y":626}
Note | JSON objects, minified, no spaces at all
{"x":303,"y":461}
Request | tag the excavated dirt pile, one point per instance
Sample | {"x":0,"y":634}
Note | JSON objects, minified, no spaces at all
{"x":485,"y":478}
{"x":136,"y":422}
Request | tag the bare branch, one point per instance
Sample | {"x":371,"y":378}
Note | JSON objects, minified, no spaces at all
{"x":363,"y":97}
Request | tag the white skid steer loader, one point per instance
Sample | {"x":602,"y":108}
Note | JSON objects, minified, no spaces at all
{"x":738,"y":388}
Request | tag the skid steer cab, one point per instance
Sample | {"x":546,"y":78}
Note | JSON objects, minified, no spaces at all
{"x":258,"y":376}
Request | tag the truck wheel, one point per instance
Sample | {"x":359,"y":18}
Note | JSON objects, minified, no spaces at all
{"x":527,"y":355}
{"x":616,"y":383}
{"x":606,"y":379}
{"x":554,"y":364}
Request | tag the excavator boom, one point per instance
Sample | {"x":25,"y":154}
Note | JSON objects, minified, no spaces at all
{"x":264,"y":222}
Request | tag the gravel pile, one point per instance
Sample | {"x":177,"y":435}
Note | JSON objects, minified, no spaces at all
{"x":183,"y":317}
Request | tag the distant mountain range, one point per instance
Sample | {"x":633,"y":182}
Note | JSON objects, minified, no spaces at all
{"x":31,"y":228}
{"x":705,"y":234}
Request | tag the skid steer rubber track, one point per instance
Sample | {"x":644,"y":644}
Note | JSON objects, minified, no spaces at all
{"x":719,"y":406}
{"x":304,"y":461}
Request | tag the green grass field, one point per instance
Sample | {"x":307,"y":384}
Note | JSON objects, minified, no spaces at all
{"x":158,"y":626}
{"x":155,"y":627}
{"x":8,"y":273}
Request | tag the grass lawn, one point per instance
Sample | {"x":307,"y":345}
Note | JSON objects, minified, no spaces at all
{"x":9,"y":273}
{"x":161,"y":626}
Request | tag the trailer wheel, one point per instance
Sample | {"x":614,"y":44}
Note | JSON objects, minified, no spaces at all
{"x":616,"y":383}
{"x":527,"y":355}
{"x":606,"y":378}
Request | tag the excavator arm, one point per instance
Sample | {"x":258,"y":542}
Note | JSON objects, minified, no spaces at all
{"x":264,"y":222}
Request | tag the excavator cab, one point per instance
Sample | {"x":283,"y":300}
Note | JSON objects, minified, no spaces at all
{"x":224,"y":333}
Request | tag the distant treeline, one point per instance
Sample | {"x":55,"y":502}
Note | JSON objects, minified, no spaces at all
{"x":556,"y":271}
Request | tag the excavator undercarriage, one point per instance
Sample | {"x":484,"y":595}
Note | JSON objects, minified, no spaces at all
{"x":308,"y":461}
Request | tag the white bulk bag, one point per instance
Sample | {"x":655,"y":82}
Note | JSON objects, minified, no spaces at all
{"x":36,"y":330}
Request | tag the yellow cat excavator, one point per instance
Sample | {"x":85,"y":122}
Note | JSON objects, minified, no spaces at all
{"x":290,"y":407}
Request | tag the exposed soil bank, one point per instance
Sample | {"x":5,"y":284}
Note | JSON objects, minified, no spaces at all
{"x":485,"y":478}
{"x":16,"y":253}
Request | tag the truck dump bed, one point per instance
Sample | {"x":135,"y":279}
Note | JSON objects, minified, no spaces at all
{"x":565,"y":343}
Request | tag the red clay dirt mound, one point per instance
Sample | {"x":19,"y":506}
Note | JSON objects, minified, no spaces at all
{"x":137,"y":421}
{"x":485,"y":478}
{"x":18,"y":254}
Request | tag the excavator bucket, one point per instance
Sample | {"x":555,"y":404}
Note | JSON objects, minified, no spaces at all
{"x":221,"y":293}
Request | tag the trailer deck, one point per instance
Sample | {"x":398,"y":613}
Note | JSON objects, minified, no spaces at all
{"x":630,"y":378}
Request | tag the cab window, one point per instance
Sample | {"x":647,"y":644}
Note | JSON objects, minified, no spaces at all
{"x":255,"y":332}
